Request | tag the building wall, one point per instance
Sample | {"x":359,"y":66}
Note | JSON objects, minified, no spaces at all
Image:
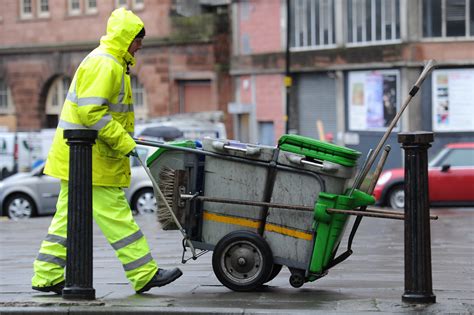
{"x":61,"y":28}
{"x":259,"y":26}
{"x":34,"y":52}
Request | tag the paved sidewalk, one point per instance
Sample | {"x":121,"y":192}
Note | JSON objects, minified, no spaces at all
{"x":371,"y":280}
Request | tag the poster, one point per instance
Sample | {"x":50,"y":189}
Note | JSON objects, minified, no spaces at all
{"x":373,"y":99}
{"x":453,"y":100}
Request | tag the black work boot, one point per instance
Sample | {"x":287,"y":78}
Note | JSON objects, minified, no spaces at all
{"x":162,"y":277}
{"x":57,"y":288}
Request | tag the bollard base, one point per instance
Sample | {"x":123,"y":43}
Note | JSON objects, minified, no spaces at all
{"x":77,"y":293}
{"x":416,"y":298}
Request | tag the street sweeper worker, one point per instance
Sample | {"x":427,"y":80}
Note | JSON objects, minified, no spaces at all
{"x":100,"y":98}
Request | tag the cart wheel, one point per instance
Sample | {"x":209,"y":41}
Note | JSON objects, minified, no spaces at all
{"x":297,"y":278}
{"x":242,"y":261}
{"x":275,"y":271}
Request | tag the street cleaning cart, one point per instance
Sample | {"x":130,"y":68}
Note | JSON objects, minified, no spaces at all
{"x":259,"y":208}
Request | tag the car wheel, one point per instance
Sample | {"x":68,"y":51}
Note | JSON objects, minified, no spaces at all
{"x":20,"y":206}
{"x":396,"y":197}
{"x":144,"y":201}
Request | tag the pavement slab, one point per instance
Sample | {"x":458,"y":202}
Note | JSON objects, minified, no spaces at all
{"x":371,"y":280}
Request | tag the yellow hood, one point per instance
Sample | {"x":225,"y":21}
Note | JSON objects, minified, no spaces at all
{"x":122,"y":27}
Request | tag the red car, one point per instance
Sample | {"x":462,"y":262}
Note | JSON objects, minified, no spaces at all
{"x":450,"y":177}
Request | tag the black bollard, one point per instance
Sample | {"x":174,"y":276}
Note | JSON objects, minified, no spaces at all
{"x":418,"y":280}
{"x":79,"y":225}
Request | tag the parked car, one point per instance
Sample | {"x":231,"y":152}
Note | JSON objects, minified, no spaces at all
{"x":450,"y":179}
{"x":28,"y":194}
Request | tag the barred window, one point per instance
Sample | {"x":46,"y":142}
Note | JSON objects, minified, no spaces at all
{"x":312,"y":24}
{"x":43,"y":8}
{"x":448,"y":18}
{"x":6,"y":105}
{"x":26,"y":9}
{"x":372,"y":21}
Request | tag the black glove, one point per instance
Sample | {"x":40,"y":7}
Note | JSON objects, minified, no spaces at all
{"x":133,"y":153}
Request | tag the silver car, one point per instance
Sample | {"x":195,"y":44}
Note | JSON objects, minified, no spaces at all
{"x":25,"y":195}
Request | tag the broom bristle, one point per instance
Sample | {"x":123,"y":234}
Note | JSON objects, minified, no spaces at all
{"x":166,"y":184}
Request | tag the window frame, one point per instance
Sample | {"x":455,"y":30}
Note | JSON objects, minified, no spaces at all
{"x":373,"y":25}
{"x":89,"y":9}
{"x":6,"y":93}
{"x":118,"y":5}
{"x":138,"y":6}
{"x":71,"y":11}
{"x":60,"y":91}
{"x":23,"y":15}
{"x":299,"y":26}
{"x":39,"y":12}
{"x":141,"y":110}
{"x":443,"y":36}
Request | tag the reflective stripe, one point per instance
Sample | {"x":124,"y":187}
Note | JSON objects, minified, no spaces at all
{"x":83,"y":101}
{"x":138,"y":263}
{"x":102,"y":122}
{"x":120,"y":108}
{"x":121,"y":95}
{"x":51,"y":259}
{"x":56,"y":239}
{"x":71,"y":96}
{"x":97,"y":126}
{"x":67,"y":125}
{"x":127,"y":240}
{"x":105,"y":55}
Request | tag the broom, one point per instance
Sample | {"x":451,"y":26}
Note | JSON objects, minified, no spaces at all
{"x":170,"y":183}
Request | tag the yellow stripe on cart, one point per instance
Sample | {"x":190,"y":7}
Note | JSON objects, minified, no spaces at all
{"x":255,"y":223}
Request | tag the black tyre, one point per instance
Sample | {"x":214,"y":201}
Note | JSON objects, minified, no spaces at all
{"x":275,"y":271}
{"x":144,"y":201}
{"x":19,"y":206}
{"x":242,"y":261}
{"x":396,"y":197}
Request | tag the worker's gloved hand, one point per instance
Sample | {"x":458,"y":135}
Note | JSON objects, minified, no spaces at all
{"x":133,"y":153}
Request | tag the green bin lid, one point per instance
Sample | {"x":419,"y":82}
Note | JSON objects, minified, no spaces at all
{"x":318,"y":149}
{"x":182,"y":143}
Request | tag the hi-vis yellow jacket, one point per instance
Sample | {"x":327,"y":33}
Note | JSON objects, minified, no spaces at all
{"x":100,"y":98}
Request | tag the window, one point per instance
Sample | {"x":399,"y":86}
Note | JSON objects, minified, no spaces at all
{"x":5,"y":98}
{"x":56,"y":95}
{"x":459,"y":157}
{"x":138,"y":4}
{"x":91,"y":6}
{"x":43,"y":8}
{"x":312,"y":24}
{"x":26,"y":7}
{"x":373,"y":21}
{"x":74,"y":7}
{"x":266,"y":133}
{"x":448,"y":18}
{"x":121,"y":3}
{"x":139,"y":98}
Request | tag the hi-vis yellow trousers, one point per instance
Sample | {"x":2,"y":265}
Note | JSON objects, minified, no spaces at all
{"x":112,"y":213}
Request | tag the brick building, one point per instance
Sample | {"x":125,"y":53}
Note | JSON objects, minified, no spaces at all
{"x":181,"y":68}
{"x":352,"y":64}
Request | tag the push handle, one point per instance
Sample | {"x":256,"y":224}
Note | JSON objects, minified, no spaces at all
{"x":299,"y":160}
{"x":251,"y":151}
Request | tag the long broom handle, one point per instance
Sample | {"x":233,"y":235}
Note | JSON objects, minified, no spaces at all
{"x":162,"y":197}
{"x":430,"y":65}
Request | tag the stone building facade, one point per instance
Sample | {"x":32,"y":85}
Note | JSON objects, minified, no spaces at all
{"x":183,"y":66}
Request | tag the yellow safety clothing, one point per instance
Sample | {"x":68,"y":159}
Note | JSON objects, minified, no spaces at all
{"x":100,"y":98}
{"x":112,"y":214}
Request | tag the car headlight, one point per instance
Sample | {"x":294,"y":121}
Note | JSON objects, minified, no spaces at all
{"x":384,"y":178}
